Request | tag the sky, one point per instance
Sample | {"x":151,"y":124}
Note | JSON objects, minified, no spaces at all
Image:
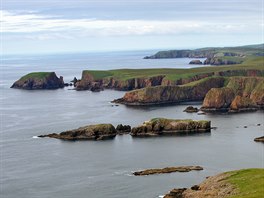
{"x":55,"y":26}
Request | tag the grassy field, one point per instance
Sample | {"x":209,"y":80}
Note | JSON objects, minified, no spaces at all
{"x":174,"y":74}
{"x":36,"y":75}
{"x":248,"y":182}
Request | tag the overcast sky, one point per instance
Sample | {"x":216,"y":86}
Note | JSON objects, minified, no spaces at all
{"x":47,"y":26}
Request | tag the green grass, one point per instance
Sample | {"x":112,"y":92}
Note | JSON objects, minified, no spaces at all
{"x":175,"y":74}
{"x":249,"y":183}
{"x":36,"y":75}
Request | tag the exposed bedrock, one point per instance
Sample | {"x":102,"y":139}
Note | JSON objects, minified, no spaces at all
{"x":171,"y":94}
{"x":162,"y":126}
{"x":167,"y":170}
{"x":39,"y":80}
{"x":240,"y":94}
{"x":91,"y":132}
{"x":88,"y":81}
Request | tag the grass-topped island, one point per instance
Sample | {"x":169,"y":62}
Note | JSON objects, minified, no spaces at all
{"x":39,"y":80}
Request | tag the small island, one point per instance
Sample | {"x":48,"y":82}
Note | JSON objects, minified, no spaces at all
{"x":39,"y":80}
{"x":167,"y":170}
{"x":90,"y":132}
{"x":163,"y":126}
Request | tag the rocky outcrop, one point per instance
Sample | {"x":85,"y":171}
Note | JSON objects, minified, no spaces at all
{"x":212,"y":187}
{"x":88,"y":82}
{"x":91,"y":132}
{"x":240,"y":94}
{"x":39,"y":80}
{"x":171,"y":94}
{"x":218,"y":99}
{"x":162,"y":126}
{"x":191,"y":109}
{"x":259,"y":139}
{"x":123,"y":129}
{"x":241,"y":103}
{"x":99,"y":80}
{"x":196,"y":62}
{"x":221,"y":61}
{"x":167,"y":170}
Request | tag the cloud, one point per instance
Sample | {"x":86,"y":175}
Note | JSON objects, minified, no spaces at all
{"x":37,"y":26}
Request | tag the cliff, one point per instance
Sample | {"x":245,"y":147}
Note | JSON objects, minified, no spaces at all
{"x":162,"y":126}
{"x":91,"y":132}
{"x":214,"y":56}
{"x":130,"y":79}
{"x":243,"y":183}
{"x":39,"y":80}
{"x":240,"y":94}
{"x":194,"y":91}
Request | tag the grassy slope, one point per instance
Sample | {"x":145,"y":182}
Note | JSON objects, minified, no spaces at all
{"x":174,"y":74}
{"x":249,"y":183}
{"x":36,"y":75}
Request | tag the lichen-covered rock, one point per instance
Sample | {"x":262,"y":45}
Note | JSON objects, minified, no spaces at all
{"x":218,"y":99}
{"x":39,"y":80}
{"x":163,"y":126}
{"x":91,"y":132}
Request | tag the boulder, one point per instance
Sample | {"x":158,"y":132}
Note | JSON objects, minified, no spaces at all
{"x":39,"y":80}
{"x":122,"y":129}
{"x":195,"y":62}
{"x":91,"y":132}
{"x":176,"y":193}
{"x":191,"y":109}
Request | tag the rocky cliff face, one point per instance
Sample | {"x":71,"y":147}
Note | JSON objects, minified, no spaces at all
{"x":39,"y":80}
{"x":218,"y":99}
{"x":171,"y":94}
{"x":91,"y":132}
{"x":87,"y":82}
{"x":240,"y":94}
{"x":220,"y":61}
{"x":162,"y":126}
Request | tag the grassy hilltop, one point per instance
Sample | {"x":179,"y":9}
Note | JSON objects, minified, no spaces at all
{"x":175,"y":74}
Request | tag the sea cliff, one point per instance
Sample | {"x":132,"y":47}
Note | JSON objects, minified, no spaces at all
{"x":39,"y":80}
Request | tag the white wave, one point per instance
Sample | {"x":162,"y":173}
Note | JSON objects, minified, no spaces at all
{"x":35,"y":137}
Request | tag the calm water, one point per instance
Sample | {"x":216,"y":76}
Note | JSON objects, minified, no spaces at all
{"x":34,"y":167}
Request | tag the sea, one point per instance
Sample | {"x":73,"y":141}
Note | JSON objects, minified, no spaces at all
{"x":32,"y":167}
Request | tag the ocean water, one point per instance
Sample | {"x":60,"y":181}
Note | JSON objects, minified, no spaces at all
{"x":43,"y":167}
